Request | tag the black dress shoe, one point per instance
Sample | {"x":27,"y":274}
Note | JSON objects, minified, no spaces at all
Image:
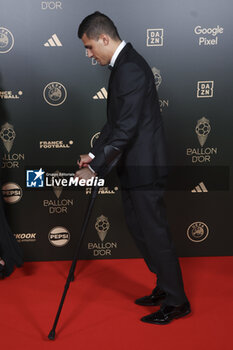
{"x":153,"y":299}
{"x":167,"y":313}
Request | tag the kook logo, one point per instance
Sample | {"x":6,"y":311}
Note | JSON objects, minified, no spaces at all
{"x":35,"y":178}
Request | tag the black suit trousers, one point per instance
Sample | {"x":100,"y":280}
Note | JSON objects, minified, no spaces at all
{"x":145,"y":215}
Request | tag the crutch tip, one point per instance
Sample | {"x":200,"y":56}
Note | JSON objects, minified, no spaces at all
{"x":51,"y":335}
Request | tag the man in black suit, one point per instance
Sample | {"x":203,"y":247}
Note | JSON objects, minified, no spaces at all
{"x":134,"y":128}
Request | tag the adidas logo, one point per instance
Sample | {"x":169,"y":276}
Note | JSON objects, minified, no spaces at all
{"x":200,"y":188}
{"x":101,"y":95}
{"x":53,"y":41}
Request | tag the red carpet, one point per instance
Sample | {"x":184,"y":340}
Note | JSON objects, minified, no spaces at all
{"x":99,"y":312}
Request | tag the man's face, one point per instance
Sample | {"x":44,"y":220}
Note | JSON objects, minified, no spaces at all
{"x":98,"y":49}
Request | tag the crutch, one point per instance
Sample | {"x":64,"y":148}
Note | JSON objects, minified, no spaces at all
{"x":112,"y":155}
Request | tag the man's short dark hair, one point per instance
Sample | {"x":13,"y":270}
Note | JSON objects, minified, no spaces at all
{"x":96,"y":24}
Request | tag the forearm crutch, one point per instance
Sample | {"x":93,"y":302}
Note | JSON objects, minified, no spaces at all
{"x":112,"y":155}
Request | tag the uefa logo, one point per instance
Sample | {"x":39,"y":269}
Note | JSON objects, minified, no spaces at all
{"x":6,"y":40}
{"x":197,"y":231}
{"x":55,"y":94}
{"x":11,"y":192}
{"x":59,"y":236}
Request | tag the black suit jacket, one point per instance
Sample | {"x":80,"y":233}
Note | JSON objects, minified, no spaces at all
{"x":134,"y":123}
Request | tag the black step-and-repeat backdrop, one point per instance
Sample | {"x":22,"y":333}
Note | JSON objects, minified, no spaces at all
{"x":53,"y":105}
